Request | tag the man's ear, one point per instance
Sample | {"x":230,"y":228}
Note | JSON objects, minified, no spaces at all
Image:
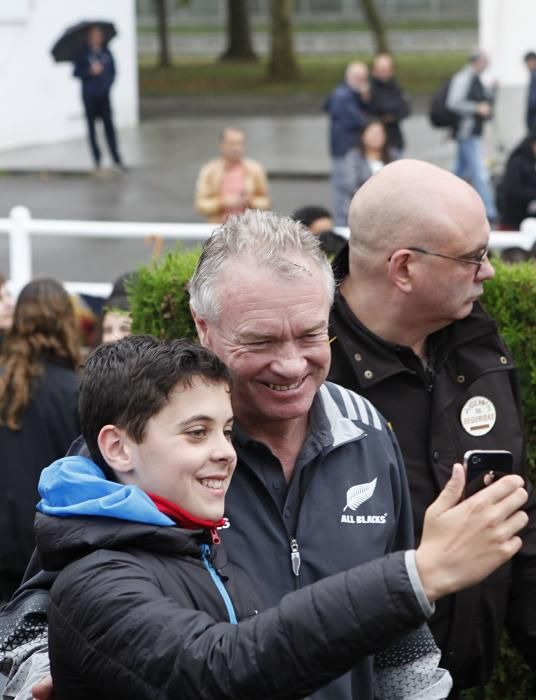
{"x":201,"y":327}
{"x":400,"y":270}
{"x":114,"y":445}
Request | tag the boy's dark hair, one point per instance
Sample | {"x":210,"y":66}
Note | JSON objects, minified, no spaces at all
{"x":529,"y":56}
{"x":128,"y":381}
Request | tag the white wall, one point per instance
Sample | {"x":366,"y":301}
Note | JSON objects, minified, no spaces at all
{"x":507,"y":32}
{"x":39,"y":99}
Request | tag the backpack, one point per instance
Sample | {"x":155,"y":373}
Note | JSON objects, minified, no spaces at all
{"x":438,"y":113}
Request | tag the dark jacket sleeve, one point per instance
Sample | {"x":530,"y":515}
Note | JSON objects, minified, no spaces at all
{"x":81,"y":66}
{"x":521,"y":611}
{"x":114,"y":624}
{"x":391,"y":102}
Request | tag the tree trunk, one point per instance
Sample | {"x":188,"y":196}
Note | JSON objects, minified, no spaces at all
{"x":164,"y":58}
{"x":239,"y":45}
{"x":376,"y":26}
{"x":282,"y":65}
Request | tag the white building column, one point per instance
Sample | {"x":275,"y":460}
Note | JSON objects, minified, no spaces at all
{"x":507,"y":32}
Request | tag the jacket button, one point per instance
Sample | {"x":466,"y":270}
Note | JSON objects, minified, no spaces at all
{"x":504,"y":360}
{"x":358,"y":357}
{"x":287,"y":513}
{"x":276,"y":485}
{"x":368,"y":374}
{"x":435,"y":455}
{"x":460,"y":379}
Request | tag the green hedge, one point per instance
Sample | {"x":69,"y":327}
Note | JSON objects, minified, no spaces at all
{"x":159,"y":302}
{"x":510,"y":298}
{"x":158,"y":295}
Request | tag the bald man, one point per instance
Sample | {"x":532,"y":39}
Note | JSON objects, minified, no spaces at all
{"x":409,"y":333}
{"x":347,"y":107}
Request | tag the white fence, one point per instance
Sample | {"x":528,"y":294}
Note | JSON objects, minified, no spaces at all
{"x":21,"y":228}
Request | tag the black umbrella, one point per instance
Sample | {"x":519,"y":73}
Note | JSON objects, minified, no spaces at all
{"x":74,"y":38}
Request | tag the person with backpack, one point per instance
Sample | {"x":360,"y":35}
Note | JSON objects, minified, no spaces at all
{"x":472,"y":103}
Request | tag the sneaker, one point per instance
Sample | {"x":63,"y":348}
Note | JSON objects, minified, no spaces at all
{"x":119,"y":168}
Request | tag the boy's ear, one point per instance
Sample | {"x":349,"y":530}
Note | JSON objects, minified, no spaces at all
{"x":114,"y":445}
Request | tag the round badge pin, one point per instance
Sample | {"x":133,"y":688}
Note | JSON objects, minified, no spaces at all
{"x":478,"y":416}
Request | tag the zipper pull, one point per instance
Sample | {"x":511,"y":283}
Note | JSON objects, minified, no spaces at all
{"x":295,"y":559}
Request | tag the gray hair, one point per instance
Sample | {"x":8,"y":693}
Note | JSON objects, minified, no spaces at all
{"x":267,"y":238}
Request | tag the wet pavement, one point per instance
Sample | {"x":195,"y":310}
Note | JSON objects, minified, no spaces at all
{"x":164,"y":155}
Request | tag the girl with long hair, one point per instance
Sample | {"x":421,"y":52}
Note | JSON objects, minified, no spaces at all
{"x":38,"y":415}
{"x":369,"y":156}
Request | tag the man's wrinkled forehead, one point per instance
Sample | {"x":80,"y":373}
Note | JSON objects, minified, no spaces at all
{"x":241,"y":276}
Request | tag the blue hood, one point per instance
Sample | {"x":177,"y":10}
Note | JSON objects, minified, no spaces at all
{"x":75,"y":486}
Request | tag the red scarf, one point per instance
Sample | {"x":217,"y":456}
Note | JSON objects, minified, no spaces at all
{"x":185,"y":519}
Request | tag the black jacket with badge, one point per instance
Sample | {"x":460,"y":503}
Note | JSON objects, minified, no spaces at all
{"x":136,"y":614}
{"x":433,"y":414}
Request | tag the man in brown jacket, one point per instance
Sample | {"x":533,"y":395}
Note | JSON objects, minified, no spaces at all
{"x":231,"y":183}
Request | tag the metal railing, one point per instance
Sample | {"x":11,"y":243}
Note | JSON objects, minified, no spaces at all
{"x":21,"y":228}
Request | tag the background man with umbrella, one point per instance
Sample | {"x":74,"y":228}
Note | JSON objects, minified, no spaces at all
{"x":86,"y":44}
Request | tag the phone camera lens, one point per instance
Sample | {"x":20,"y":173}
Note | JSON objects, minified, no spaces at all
{"x":476,"y":459}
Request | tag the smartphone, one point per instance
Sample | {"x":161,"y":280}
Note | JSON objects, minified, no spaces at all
{"x":480,"y":464}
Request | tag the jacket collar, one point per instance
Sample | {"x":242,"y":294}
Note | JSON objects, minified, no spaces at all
{"x":328,"y":424}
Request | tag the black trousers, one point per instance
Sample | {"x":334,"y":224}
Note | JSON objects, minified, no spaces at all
{"x":100,"y":108}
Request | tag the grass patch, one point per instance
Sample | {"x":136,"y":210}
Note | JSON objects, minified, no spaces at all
{"x":419,"y":73}
{"x":336,"y":26}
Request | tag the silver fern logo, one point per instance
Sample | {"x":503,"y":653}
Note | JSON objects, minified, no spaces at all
{"x":355,"y":497}
{"x":359,"y":494}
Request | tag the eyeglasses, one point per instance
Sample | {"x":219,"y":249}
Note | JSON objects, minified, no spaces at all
{"x":476,"y":260}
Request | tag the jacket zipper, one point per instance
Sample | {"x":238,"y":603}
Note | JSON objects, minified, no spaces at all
{"x":295,"y":559}
{"x":205,"y":553}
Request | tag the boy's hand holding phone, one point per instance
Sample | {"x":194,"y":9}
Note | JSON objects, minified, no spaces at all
{"x":463,"y":541}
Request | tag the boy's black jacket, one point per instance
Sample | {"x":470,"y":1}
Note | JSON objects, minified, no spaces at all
{"x":135,"y":614}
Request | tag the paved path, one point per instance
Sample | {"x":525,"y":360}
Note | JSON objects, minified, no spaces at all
{"x":401,"y":41}
{"x":55,"y":181}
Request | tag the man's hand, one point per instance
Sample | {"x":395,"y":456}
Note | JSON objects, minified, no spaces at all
{"x":96,"y":68}
{"x":463,"y":542}
{"x":238,"y":201}
{"x":43,"y":690}
{"x":483,"y":109}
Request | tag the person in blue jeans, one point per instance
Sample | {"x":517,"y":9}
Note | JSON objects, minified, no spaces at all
{"x":96,"y":69}
{"x":473,"y":104}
